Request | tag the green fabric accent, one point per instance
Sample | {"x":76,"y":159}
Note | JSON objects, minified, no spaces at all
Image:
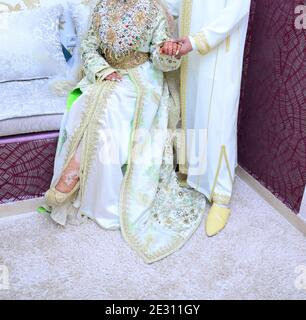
{"x":42,"y":210}
{"x":72,"y":97}
{"x":66,"y":53}
{"x":124,"y":168}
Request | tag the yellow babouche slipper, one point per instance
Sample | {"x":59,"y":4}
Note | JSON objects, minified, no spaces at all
{"x":54,"y":197}
{"x":217,"y":219}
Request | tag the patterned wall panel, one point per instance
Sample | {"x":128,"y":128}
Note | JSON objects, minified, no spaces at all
{"x":272,"y":122}
{"x":26,"y":166}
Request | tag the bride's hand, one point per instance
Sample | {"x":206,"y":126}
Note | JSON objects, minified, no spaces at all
{"x":170,"y":48}
{"x":115,"y":76}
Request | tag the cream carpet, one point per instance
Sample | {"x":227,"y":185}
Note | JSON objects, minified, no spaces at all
{"x":254,"y":258}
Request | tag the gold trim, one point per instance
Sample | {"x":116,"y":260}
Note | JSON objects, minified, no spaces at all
{"x":186,"y":12}
{"x":228,"y":165}
{"x":217,"y":174}
{"x":91,"y":137}
{"x":129,"y":60}
{"x":228,"y":44}
{"x":221,"y":199}
{"x":132,"y":239}
{"x":201,"y":43}
{"x":98,"y":94}
{"x":28,"y":4}
{"x":222,"y":153}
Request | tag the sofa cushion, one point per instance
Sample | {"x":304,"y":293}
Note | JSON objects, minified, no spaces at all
{"x":29,"y":106}
{"x":67,"y":27}
{"x":31,"y":46}
{"x":34,"y":124}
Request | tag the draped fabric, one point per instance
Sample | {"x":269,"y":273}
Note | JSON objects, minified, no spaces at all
{"x":127,"y":177}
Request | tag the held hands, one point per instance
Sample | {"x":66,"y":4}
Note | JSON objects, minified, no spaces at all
{"x":170,"y":48}
{"x":178,"y":48}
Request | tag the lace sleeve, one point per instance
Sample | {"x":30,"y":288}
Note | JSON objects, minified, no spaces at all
{"x":95,"y":66}
{"x":161,"y":33}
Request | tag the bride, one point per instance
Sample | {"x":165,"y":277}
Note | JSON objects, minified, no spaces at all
{"x":114,"y":160}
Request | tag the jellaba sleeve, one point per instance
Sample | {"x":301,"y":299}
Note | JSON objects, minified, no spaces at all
{"x":160,"y":34}
{"x":95,"y":66}
{"x":174,"y":7}
{"x":221,"y":28}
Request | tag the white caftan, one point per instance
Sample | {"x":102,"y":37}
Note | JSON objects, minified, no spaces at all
{"x":120,"y":130}
{"x":210,"y":90}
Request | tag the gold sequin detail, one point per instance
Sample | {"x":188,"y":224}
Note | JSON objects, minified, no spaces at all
{"x":130,"y":60}
{"x":111,"y":36}
{"x":139,"y":18}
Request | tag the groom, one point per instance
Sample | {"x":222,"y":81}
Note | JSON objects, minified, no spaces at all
{"x":213,"y":35}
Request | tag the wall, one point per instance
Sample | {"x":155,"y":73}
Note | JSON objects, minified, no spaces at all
{"x":272,"y":121}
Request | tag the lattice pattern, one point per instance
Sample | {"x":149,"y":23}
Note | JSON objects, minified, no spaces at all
{"x":26,"y":166}
{"x":272,"y":130}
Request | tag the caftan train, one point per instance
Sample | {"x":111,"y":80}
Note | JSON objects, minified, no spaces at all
{"x":127,"y":177}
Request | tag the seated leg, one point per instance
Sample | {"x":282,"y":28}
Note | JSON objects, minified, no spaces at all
{"x":70,"y":176}
{"x":68,"y":183}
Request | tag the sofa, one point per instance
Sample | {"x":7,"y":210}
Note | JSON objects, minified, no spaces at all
{"x":31,"y":108}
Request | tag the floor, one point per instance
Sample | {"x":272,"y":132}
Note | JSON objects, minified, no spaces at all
{"x":258,"y":256}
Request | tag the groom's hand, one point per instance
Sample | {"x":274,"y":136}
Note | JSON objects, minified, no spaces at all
{"x":178,"y":48}
{"x":186,"y":46}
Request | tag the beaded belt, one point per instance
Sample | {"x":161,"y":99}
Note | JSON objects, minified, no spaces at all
{"x":128,"y":61}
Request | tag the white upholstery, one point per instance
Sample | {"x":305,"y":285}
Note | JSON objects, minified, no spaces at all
{"x":30,"y":44}
{"x":32,"y":106}
{"x":32,"y":124}
{"x":67,"y":24}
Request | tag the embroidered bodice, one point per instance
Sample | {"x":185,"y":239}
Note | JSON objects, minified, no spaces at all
{"x":124,"y":26}
{"x":123,"y":35}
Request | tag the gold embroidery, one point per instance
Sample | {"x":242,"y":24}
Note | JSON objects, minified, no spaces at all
{"x":222,"y":154}
{"x":124,"y":197}
{"x":139,"y":18}
{"x":221,"y":199}
{"x":114,"y":18}
{"x":127,"y":61}
{"x":29,"y":4}
{"x":228,"y":166}
{"x":96,"y":21}
{"x":228,"y":43}
{"x":95,"y":99}
{"x":201,"y":43}
{"x":111,"y":36}
{"x":92,"y":137}
{"x":123,"y":26}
